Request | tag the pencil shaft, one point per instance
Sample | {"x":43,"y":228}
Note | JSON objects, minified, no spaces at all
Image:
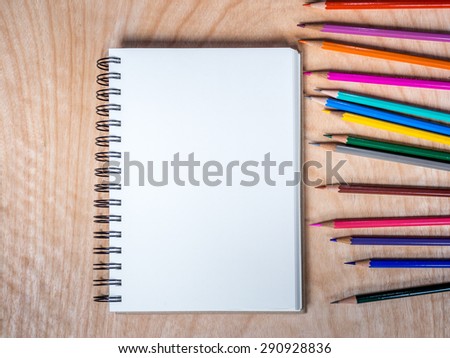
{"x":379,"y":32}
{"x":394,"y":106}
{"x":373,"y":4}
{"x":393,"y":190}
{"x":409,"y":263}
{"x":405,"y":241}
{"x":387,"y":80}
{"x":391,"y":222}
{"x":402,"y":293}
{"x":396,"y":128}
{"x":367,"y":153}
{"x":399,"y":148}
{"x":388,"y":116}
{"x":386,"y":55}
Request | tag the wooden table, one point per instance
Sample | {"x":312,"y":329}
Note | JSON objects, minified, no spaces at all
{"x":47,"y":101}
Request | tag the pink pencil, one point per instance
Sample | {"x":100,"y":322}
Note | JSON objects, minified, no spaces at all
{"x":381,"y":80}
{"x":385,"y":222}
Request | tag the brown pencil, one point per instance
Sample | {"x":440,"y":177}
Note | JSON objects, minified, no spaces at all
{"x":387,"y":189}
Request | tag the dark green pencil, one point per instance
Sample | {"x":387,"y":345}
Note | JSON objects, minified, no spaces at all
{"x":391,"y":147}
{"x":400,"y":293}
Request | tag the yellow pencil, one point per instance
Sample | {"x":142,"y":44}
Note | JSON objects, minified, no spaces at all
{"x":396,"y":128}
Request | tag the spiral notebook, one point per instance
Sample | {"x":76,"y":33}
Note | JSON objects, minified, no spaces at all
{"x":199,"y":200}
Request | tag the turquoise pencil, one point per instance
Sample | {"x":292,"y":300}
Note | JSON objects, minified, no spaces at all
{"x":388,"y":105}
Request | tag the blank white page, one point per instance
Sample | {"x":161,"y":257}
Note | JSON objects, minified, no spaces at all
{"x":227,"y":247}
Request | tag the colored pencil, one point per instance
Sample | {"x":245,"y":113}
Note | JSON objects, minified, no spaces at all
{"x":378,"y":32}
{"x":381,"y":80}
{"x":358,"y":223}
{"x":387,"y":126}
{"x":391,"y":147}
{"x":383,"y":115}
{"x":402,"y":263}
{"x":375,"y":154}
{"x":393,"y":240}
{"x":381,"y":54}
{"x":398,"y":293}
{"x":379,"y":4}
{"x":380,"y":189}
{"x":387,"y":105}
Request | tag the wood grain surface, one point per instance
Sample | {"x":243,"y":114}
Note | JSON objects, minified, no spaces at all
{"x":47,"y":101}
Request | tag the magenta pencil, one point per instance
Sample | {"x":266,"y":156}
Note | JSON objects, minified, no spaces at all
{"x":356,"y":223}
{"x":382,"y":80}
{"x":378,"y":32}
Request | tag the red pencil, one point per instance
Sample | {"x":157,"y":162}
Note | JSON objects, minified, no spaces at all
{"x":385,"y":222}
{"x":379,"y":4}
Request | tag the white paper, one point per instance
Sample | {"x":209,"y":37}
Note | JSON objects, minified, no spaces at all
{"x":208,"y":248}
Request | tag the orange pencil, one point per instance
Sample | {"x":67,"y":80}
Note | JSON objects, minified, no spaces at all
{"x":385,"y":55}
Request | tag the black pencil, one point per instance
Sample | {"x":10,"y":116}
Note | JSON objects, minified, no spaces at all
{"x":399,"y":293}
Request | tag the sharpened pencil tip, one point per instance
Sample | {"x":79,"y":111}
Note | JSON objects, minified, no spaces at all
{"x":334,"y":302}
{"x":314,"y":144}
{"x":318,"y":90}
{"x":328,"y":135}
{"x":301,"y":25}
{"x":307,"y":4}
{"x":333,"y":240}
{"x":321,"y":187}
{"x":307,"y":73}
{"x":303,"y":41}
{"x":350,"y":263}
{"x":308,"y":97}
{"x":316,"y":224}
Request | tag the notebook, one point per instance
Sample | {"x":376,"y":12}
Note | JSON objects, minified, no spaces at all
{"x":199,"y":205}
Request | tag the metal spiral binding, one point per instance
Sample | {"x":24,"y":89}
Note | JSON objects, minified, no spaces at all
{"x":105,"y":171}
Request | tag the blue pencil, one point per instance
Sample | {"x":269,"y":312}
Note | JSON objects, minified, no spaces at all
{"x":402,"y":263}
{"x":383,"y":115}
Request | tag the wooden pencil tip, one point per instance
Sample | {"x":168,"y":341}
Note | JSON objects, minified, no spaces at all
{"x":350,"y":263}
{"x":316,"y":224}
{"x":301,"y":25}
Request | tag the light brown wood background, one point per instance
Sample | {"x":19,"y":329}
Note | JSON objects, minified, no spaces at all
{"x":47,"y":101}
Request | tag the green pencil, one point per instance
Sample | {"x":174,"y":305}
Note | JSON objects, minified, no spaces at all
{"x":400,"y":293}
{"x":391,"y":147}
{"x":388,"y":105}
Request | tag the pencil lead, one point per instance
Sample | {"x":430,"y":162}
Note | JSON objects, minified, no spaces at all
{"x":334,"y":302}
{"x":316,"y":224}
{"x":307,"y":73}
{"x":316,"y":144}
{"x":307,"y":4}
{"x":328,"y":135}
{"x":333,"y":240}
{"x":350,"y":263}
{"x":301,"y":25}
{"x":303,"y":42}
{"x":321,"y":187}
{"x":318,"y":90}
{"x":308,"y":97}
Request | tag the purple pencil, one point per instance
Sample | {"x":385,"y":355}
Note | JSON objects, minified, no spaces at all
{"x":381,"y":80}
{"x":372,"y":31}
